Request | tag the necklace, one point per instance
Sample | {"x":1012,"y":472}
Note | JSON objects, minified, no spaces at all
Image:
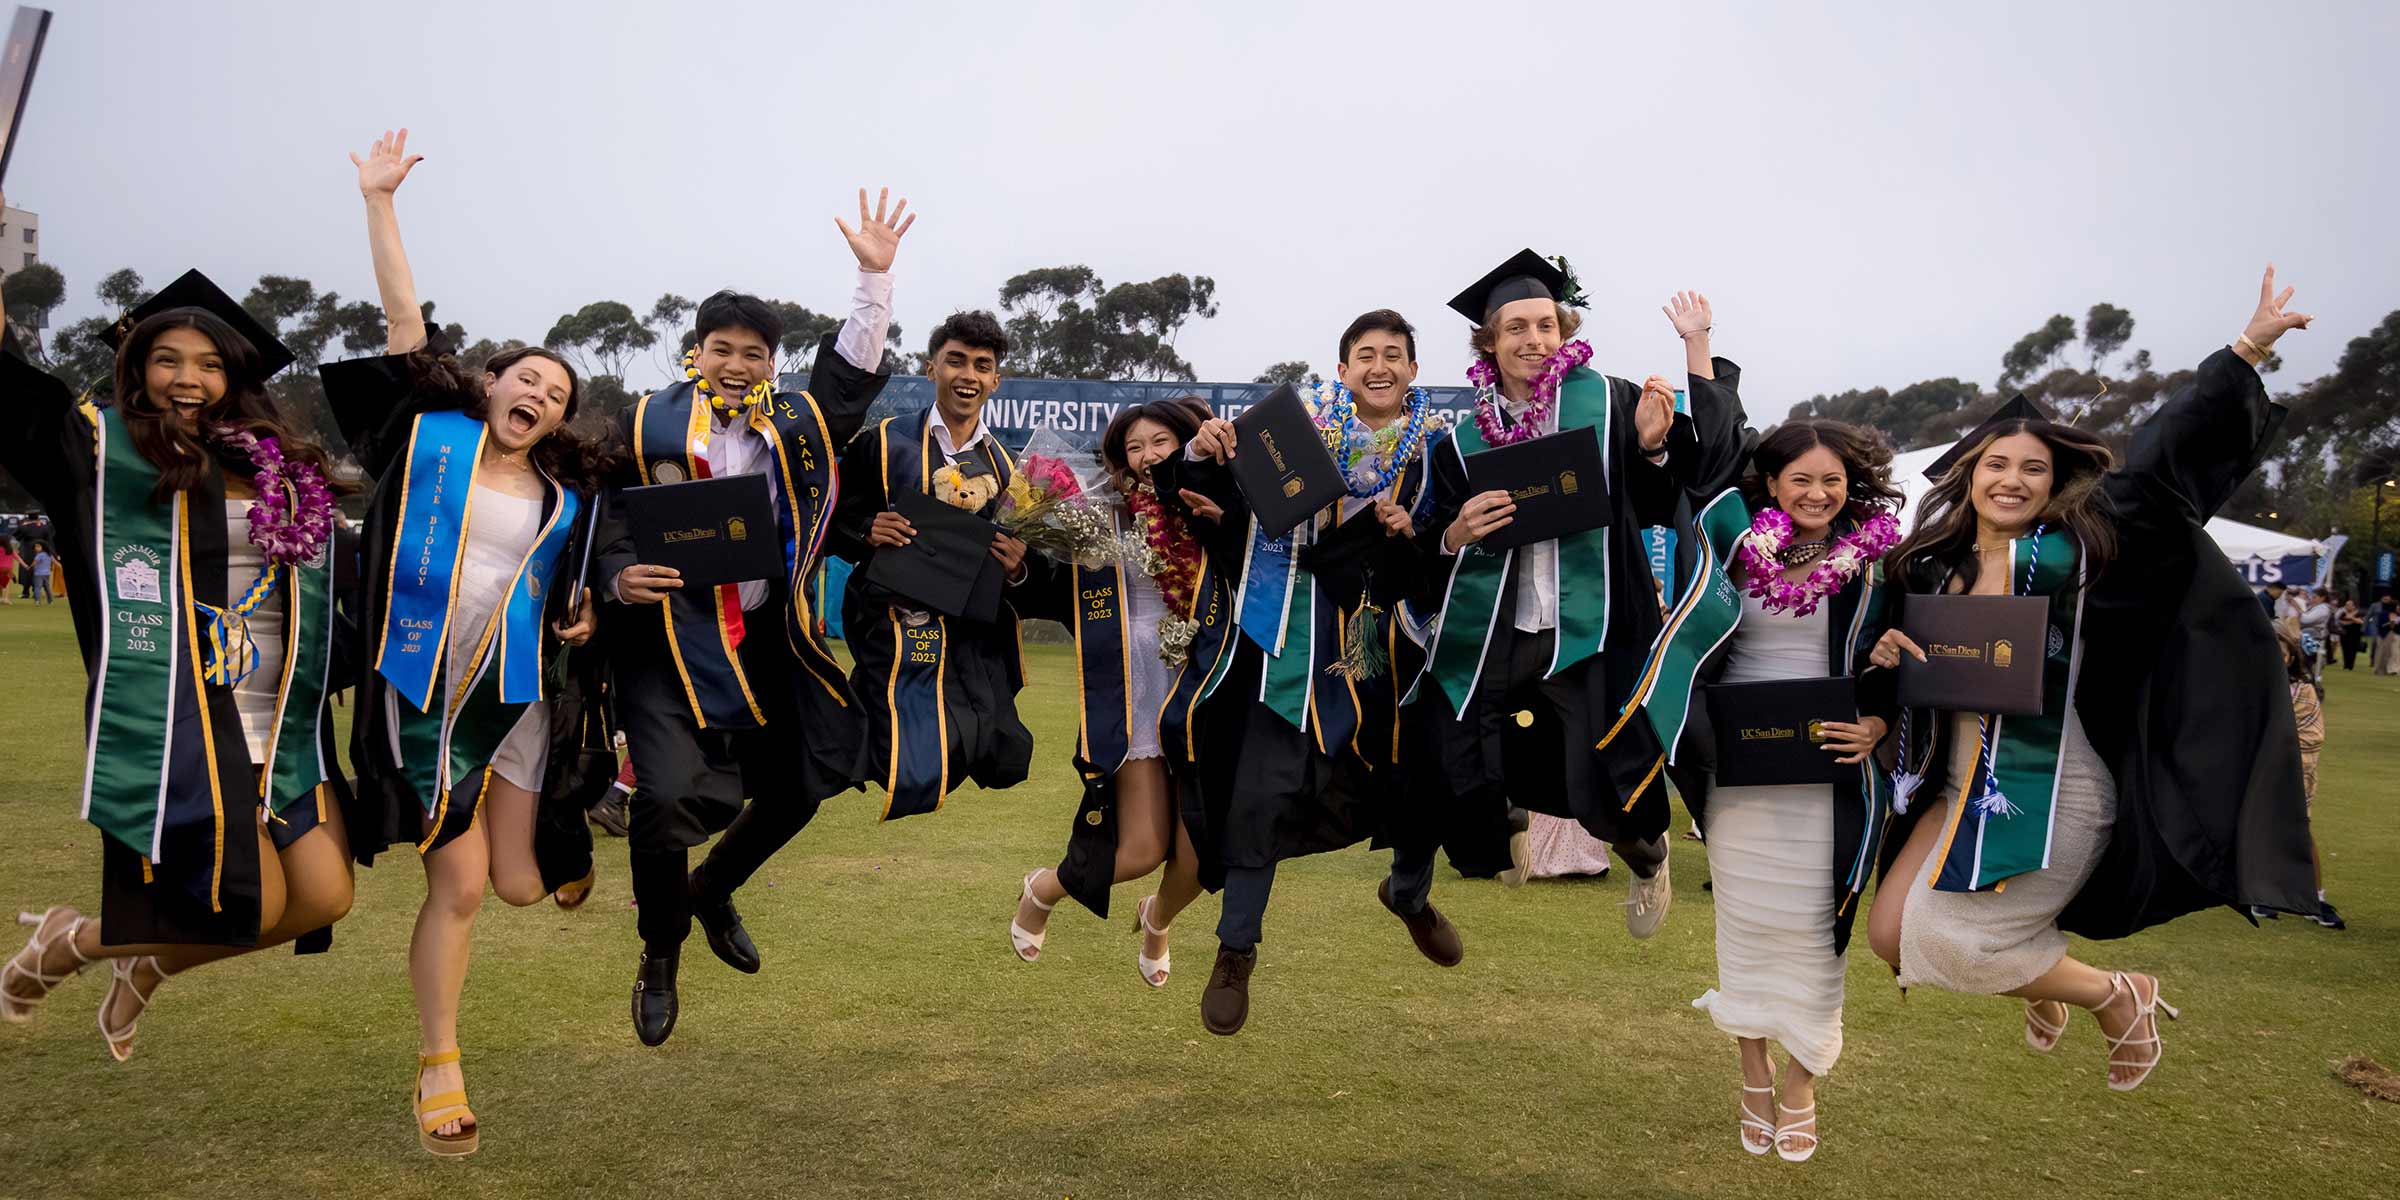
{"x":1371,"y":459}
{"x":1486,"y":379}
{"x":731,"y":408}
{"x":1804,"y":553}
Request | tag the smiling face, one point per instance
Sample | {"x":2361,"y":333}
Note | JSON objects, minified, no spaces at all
{"x":1525,"y":333}
{"x":1812,"y":489}
{"x":1148,"y":442}
{"x":734,"y":358}
{"x":184,"y":375}
{"x":1379,"y":373}
{"x":963,"y":377}
{"x":2012,"y":483}
{"x":524,"y":401}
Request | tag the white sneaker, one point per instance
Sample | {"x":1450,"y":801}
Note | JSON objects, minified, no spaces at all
{"x":1646,"y":902}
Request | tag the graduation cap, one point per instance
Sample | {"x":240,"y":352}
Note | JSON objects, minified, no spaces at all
{"x":2018,"y":408}
{"x":193,"y":290}
{"x":1525,"y":276}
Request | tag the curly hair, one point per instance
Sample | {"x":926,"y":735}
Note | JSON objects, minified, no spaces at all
{"x":1866,"y":456}
{"x":181,"y":455}
{"x":976,"y":328}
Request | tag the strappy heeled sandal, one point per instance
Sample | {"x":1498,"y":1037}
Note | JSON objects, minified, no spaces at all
{"x":2041,"y":1034}
{"x":590,"y":880}
{"x":121,"y":972}
{"x":440,"y":1109}
{"x":1028,"y":946}
{"x":15,"y":1009}
{"x":1154,"y":970}
{"x":1752,"y":1122}
{"x":2145,"y":1013}
{"x":1808,"y":1117}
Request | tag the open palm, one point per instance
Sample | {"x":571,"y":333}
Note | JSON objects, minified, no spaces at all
{"x":387,"y":163}
{"x":877,"y":237}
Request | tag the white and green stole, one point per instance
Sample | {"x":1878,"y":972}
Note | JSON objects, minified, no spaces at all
{"x":149,"y":703}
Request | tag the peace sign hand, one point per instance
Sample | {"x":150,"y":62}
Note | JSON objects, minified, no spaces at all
{"x":2270,"y":321}
{"x":877,"y":237}
{"x":1690,"y":313}
{"x":387,"y":163}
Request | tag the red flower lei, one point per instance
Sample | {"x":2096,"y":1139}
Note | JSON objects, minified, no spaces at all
{"x":1174,"y":559}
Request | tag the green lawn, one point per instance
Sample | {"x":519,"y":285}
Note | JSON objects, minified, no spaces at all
{"x":893,"y":1047}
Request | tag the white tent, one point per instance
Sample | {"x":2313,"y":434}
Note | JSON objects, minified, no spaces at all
{"x":2241,"y":543}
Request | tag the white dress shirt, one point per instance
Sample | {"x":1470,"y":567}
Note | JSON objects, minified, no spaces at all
{"x":748,"y":451}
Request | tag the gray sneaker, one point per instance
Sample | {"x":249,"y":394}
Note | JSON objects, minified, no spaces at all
{"x":1646,"y":902}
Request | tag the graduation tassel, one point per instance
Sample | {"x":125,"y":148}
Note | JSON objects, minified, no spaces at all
{"x":1991,"y":803}
{"x":1904,"y":781}
{"x":1362,"y":646}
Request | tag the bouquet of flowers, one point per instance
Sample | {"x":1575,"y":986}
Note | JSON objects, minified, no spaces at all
{"x":1047,"y":507}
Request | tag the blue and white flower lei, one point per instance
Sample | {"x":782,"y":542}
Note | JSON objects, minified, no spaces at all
{"x":1353,"y":445}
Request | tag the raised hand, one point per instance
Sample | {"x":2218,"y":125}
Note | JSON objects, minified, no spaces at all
{"x":2270,"y":322}
{"x":1690,"y":313}
{"x":877,"y":237}
{"x":1214,"y":440}
{"x":1654,"y":413}
{"x":387,"y":163}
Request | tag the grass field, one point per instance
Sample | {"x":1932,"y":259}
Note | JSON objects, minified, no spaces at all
{"x":893,"y":1047}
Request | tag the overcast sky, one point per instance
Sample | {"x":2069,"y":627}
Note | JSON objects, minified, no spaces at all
{"x":1870,"y":194}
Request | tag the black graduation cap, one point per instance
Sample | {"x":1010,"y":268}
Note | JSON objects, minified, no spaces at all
{"x":1525,"y":276}
{"x":2017,"y":408}
{"x":194,"y":290}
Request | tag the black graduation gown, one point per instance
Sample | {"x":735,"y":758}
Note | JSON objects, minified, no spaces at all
{"x":48,"y":447}
{"x":813,"y":725}
{"x":983,"y":667}
{"x":1490,"y":761}
{"x":374,"y":401}
{"x":2183,"y":692}
{"x":1848,"y":638}
{"x":1262,"y":790}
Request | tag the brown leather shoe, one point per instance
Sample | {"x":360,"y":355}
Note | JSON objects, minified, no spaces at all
{"x":1436,"y":938}
{"x":1225,"y":1002}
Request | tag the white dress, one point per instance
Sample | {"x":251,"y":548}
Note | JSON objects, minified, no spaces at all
{"x":1147,"y":674}
{"x":1770,"y":856}
{"x":500,"y":530}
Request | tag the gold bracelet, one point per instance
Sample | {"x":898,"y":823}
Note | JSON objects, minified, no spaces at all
{"x":2255,"y":348}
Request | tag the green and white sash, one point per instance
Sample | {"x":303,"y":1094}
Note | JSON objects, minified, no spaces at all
{"x":148,"y":702}
{"x":1471,"y":603}
{"x":1707,"y":614}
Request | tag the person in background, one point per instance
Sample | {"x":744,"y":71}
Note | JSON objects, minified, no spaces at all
{"x":2271,"y":599}
{"x":2308,"y":721}
{"x":2383,"y":637}
{"x":2351,"y":627}
{"x":42,"y":562}
{"x":8,"y":568}
{"x":2316,"y":631}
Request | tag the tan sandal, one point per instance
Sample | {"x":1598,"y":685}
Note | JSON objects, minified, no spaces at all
{"x":2041,"y":1034}
{"x":121,"y":972}
{"x":2145,"y":1017}
{"x":582,"y":889}
{"x":15,"y":1009}
{"x":440,"y":1109}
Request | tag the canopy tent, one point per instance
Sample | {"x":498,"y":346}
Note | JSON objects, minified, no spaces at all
{"x":2263,"y":555}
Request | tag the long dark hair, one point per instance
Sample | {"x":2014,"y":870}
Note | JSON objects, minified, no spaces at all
{"x":576,"y":458}
{"x":1945,"y":534}
{"x":183,"y":457}
{"x":1866,"y":456}
{"x":1181,"y":415}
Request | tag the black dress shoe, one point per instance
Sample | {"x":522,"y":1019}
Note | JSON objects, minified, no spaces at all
{"x":1436,"y":938}
{"x":654,"y":1004}
{"x":1225,"y":1002}
{"x":725,"y":933}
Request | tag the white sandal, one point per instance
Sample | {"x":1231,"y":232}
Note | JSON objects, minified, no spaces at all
{"x":1808,"y":1117}
{"x":2041,"y":1034}
{"x":2143,"y":1011}
{"x":1154,"y":970}
{"x":120,"y":1041}
{"x":1752,"y":1121}
{"x":1028,"y":946}
{"x":15,"y":1009}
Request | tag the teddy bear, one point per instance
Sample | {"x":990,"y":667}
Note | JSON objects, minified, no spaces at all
{"x":967,"y":486}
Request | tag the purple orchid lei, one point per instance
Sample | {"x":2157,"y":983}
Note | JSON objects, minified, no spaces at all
{"x":293,"y":528}
{"x":1771,"y":531}
{"x":1486,"y":377}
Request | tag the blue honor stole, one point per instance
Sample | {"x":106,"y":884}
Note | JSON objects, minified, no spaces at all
{"x":502,"y":671}
{"x":1104,"y":664}
{"x":917,"y":773}
{"x":671,"y":429}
